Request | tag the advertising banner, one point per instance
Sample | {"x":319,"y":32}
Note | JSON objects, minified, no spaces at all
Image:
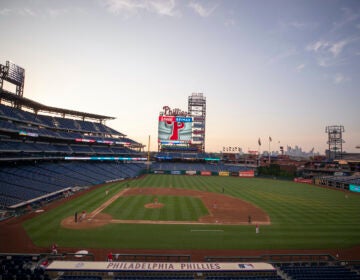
{"x":354,"y":188}
{"x":224,"y":173}
{"x":302,"y":180}
{"x":190,"y":172}
{"x":248,"y":173}
{"x":176,"y":172}
{"x":159,"y":172}
{"x":205,"y":173}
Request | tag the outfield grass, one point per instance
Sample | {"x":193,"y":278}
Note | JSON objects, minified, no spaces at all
{"x":302,"y":216}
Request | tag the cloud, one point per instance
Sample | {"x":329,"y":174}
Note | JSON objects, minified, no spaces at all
{"x":21,"y":12}
{"x":164,"y":7}
{"x":340,"y":78}
{"x":300,"y":67}
{"x":337,"y":47}
{"x":5,"y":12}
{"x":283,"y":55}
{"x":230,"y":22}
{"x":317,"y":46}
{"x":56,"y":12}
{"x":348,"y":16}
{"x":329,"y":53}
{"x":161,"y":7}
{"x":300,"y":25}
{"x":27,"y":12}
{"x":201,"y":10}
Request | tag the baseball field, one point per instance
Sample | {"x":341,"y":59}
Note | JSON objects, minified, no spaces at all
{"x":176,"y":212}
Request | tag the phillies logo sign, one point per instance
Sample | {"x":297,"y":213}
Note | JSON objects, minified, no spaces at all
{"x":174,"y":112}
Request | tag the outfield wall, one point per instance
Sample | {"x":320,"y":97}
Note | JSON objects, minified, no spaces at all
{"x":243,"y":174}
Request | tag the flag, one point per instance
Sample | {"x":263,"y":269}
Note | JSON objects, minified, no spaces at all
{"x":270,"y":138}
{"x":259,"y":141}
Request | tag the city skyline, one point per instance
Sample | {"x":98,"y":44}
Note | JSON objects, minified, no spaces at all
{"x":277,"y":69}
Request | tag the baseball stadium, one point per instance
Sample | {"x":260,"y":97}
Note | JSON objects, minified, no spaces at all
{"x":81,"y":200}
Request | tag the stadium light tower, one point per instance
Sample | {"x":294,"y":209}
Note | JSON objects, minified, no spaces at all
{"x":335,"y":140}
{"x":197,"y":110}
{"x":15,"y":75}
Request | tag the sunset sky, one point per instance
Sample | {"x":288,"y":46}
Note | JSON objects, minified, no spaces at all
{"x":285,"y":69}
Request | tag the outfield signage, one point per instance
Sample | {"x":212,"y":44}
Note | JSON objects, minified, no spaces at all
{"x":224,"y":173}
{"x":354,"y":188}
{"x":205,"y":173}
{"x":105,"y":158}
{"x":302,"y":180}
{"x":190,"y":172}
{"x":155,"y":266}
{"x":176,"y":172}
{"x":248,"y":173}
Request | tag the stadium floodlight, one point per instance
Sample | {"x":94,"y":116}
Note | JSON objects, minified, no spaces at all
{"x":335,"y":140}
{"x":13,"y":74}
{"x":16,"y":74}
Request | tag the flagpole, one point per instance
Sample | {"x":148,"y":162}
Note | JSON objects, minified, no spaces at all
{"x":259,"y":142}
{"x":269,"y":149}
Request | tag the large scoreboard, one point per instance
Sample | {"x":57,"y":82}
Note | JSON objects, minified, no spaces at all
{"x":179,"y":131}
{"x":175,"y":130}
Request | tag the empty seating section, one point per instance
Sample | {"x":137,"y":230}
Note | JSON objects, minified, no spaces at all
{"x":102,"y":150}
{"x":339,"y":181}
{"x":21,"y":267}
{"x":7,"y":125}
{"x":12,"y":190}
{"x":26,"y":182}
{"x":320,"y":272}
{"x":198,"y":167}
{"x":18,"y":146}
{"x":45,"y":125}
{"x":82,"y":149}
{"x":70,"y":277}
{"x":66,"y":124}
{"x":354,"y":179}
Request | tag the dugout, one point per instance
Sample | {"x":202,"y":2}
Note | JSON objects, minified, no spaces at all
{"x":157,"y":270}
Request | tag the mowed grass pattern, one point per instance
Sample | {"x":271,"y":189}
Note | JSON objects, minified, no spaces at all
{"x":175,"y":208}
{"x":302,"y":217}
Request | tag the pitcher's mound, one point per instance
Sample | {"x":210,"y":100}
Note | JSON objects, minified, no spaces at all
{"x":154,"y":205}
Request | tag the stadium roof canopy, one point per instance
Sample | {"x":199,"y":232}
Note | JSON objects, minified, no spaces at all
{"x":38,"y":107}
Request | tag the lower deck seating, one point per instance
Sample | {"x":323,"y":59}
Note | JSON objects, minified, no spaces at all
{"x":320,"y":273}
{"x":22,"y":183}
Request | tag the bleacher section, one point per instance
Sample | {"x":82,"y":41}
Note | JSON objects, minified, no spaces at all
{"x":339,"y":182}
{"x":22,"y":183}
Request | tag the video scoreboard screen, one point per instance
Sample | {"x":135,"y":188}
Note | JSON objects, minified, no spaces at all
{"x":174,"y":130}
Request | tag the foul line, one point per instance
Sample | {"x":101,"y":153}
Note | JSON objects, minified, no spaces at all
{"x":106,"y":203}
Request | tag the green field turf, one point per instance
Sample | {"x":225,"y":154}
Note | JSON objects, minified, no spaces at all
{"x":176,"y":208}
{"x":302,"y":217}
